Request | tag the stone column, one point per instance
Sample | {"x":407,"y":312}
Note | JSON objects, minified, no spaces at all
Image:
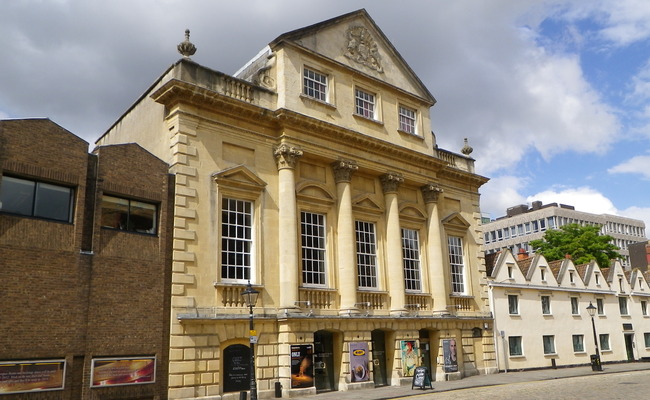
{"x":390,"y":182}
{"x":346,"y":238}
{"x":289,"y":261}
{"x":436,"y":266}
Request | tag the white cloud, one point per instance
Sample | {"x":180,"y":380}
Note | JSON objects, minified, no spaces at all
{"x":582,"y":198}
{"x":500,"y":193}
{"x":642,"y":213}
{"x":635,"y":165}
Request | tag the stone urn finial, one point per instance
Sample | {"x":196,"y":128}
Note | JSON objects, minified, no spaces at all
{"x":186,"y":48}
{"x":467,"y":149}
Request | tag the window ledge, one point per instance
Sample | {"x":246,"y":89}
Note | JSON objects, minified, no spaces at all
{"x":550,"y":354}
{"x":364,"y":118}
{"x":518,"y":356}
{"x":413,"y":135}
{"x":316,"y":101}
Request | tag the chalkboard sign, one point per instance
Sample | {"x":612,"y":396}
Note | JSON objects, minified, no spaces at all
{"x":421,"y":378}
{"x":236,"y":368}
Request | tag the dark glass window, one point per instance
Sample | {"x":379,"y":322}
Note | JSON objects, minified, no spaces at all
{"x":128,"y":215}
{"x":36,"y":199}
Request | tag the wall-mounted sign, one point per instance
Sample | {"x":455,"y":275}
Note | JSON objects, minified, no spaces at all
{"x":450,"y":355}
{"x":31,"y":376}
{"x":302,"y":366}
{"x":359,"y":371}
{"x":123,"y":371}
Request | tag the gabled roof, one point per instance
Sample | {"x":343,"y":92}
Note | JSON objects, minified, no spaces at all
{"x":364,"y":43}
{"x":524,"y":266}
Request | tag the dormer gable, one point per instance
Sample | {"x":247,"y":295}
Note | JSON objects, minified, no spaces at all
{"x":569,"y":276}
{"x":540,"y":273}
{"x":617,"y":280}
{"x":638,"y":281}
{"x":506,"y":269}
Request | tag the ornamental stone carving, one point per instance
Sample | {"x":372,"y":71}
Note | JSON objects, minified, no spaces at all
{"x":186,"y":48}
{"x":362,"y":48}
{"x":390,"y":181}
{"x":263,"y":75}
{"x":430,"y":192}
{"x":343,"y":170}
{"x":287,"y":155}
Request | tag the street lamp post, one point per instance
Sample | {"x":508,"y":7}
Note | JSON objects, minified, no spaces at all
{"x":250,"y":298}
{"x":595,"y":364}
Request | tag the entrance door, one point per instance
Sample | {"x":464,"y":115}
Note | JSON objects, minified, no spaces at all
{"x":324,"y":361}
{"x":379,"y":357}
{"x":425,"y":349}
{"x":629,"y":346}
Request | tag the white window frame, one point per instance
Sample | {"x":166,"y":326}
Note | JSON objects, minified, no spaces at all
{"x":600,"y":306}
{"x":408,"y":119}
{"x":411,"y":260}
{"x":365,"y":104}
{"x":518,"y":342}
{"x":575,"y":306}
{"x":238,"y":246}
{"x":313,"y":249}
{"x":366,"y":241}
{"x":456,"y":264}
{"x":546,"y":308}
{"x":623,"y":306}
{"x":579,"y":344}
{"x":315,"y":84}
{"x":548,"y":343}
{"x":604,"y":344}
{"x":513,"y":304}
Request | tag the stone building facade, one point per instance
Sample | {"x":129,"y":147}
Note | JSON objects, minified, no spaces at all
{"x":312,"y":173}
{"x":80,"y":293}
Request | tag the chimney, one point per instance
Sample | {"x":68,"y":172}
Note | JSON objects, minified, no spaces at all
{"x":537,"y":205}
{"x":523,"y":254}
{"x":567,"y":256}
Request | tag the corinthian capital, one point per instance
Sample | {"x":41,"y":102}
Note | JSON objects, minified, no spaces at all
{"x":391,"y":181}
{"x":343,"y":170}
{"x":430,"y":192}
{"x":287,"y":155}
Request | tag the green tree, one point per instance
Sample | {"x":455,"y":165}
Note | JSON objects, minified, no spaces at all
{"x":582,"y":243}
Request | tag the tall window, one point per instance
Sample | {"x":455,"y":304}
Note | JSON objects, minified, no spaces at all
{"x":407,"y":120}
{"x":313,"y":248}
{"x":600,"y":307}
{"x":603,"y":338}
{"x":314,"y":84}
{"x":128,"y":215}
{"x":578,"y":343}
{"x":366,"y":254}
{"x":644,"y":307}
{"x":36,"y":199}
{"x":546,"y":305}
{"x":457,"y":264}
{"x":549,"y":344}
{"x":513,"y":304}
{"x":411,"y":257}
{"x":646,"y":337}
{"x":514,"y":346}
{"x":365,"y":104}
{"x":236,"y":239}
{"x":574,"y":306}
{"x":622,"y":305}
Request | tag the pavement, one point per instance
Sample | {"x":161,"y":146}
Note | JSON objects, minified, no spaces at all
{"x":502,"y":378}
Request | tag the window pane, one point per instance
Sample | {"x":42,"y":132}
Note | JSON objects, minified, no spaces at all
{"x":313,"y":248}
{"x":513,"y":304}
{"x":514,"y":345}
{"x":549,"y":344}
{"x":457,"y":264}
{"x":115,"y":212}
{"x":411,"y":259}
{"x":604,"y":341}
{"x":315,"y":84}
{"x":646,"y":337}
{"x":53,"y":202}
{"x":546,"y":304}
{"x":17,"y":195}
{"x":578,"y":343}
{"x":406,"y":119}
{"x":366,"y":254}
{"x":365,"y":104}
{"x":142,"y":217}
{"x":236,"y":243}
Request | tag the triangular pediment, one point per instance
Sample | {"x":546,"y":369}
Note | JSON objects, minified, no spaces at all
{"x":367,"y":203}
{"x":455,"y":221}
{"x":354,"y":40}
{"x":315,"y":192}
{"x":239,"y":176}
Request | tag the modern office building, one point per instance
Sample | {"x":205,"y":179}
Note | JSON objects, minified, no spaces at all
{"x":523,"y":224}
{"x":312,"y":174}
{"x":640,"y":255}
{"x":541,"y":312}
{"x":85,"y":250}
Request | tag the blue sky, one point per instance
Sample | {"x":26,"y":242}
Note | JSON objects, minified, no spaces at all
{"x":553,"y":95}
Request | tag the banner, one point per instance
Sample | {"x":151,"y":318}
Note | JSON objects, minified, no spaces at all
{"x":302,"y":366}
{"x":123,"y":371}
{"x":450,"y":355}
{"x":359,"y":362}
{"x":31,"y":376}
{"x":410,"y":357}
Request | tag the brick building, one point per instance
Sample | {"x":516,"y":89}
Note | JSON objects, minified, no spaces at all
{"x":85,"y":250}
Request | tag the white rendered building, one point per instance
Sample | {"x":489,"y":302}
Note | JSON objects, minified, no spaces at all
{"x":523,"y":224}
{"x":541,"y":318}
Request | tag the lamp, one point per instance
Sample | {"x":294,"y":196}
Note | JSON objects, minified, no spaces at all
{"x":250,"y":298}
{"x":595,"y":363}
